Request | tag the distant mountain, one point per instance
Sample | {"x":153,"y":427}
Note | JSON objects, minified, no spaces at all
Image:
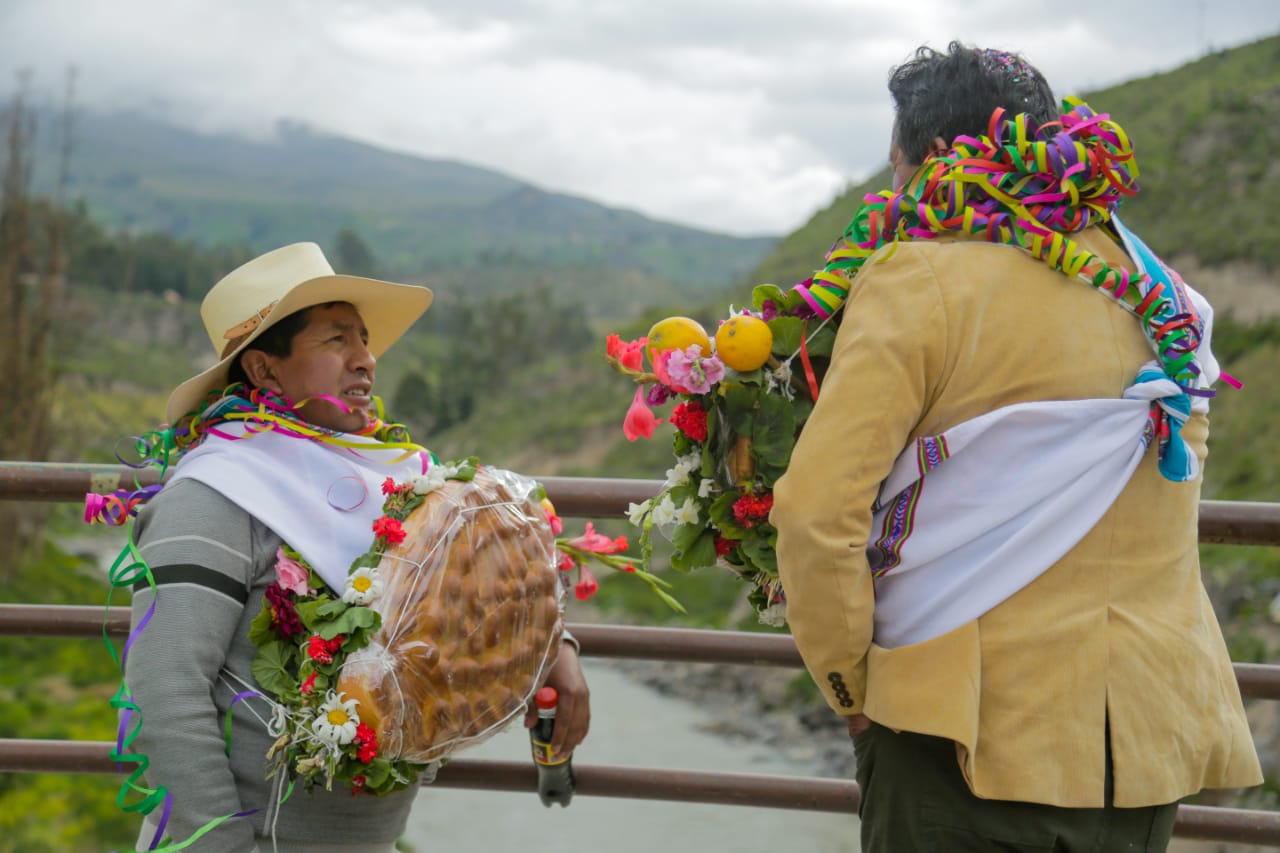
{"x":418,"y":215}
{"x":1206,"y":137}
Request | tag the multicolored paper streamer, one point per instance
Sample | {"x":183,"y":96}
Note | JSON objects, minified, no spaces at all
{"x":1029,"y":187}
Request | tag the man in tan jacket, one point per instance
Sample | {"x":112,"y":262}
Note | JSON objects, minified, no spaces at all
{"x":1072,"y":707}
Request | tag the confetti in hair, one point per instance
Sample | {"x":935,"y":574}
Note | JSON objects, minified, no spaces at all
{"x":1028,"y":187}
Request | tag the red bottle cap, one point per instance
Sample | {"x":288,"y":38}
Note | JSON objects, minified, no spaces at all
{"x":546,"y":698}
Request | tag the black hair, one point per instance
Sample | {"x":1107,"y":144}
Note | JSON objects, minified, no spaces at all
{"x":954,"y":93}
{"x":276,"y":340}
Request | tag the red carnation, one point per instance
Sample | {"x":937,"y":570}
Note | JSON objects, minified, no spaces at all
{"x":318,"y":650}
{"x":357,"y":784}
{"x":724,"y":546}
{"x":389,"y":486}
{"x":366,"y":741}
{"x":307,"y":686}
{"x":336,"y":643}
{"x":750,"y":510}
{"x":390,"y":529}
{"x":691,"y":419}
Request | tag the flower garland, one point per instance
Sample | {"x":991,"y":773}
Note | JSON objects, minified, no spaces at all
{"x":1017,"y":185}
{"x":305,"y":632}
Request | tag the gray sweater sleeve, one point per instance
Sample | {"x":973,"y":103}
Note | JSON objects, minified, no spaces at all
{"x":199,"y":548}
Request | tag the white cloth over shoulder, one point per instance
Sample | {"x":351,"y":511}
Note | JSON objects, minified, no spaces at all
{"x":969,"y":517}
{"x":319,"y":498}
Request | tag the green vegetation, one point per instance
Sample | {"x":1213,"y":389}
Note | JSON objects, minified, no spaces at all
{"x":1205,"y":136}
{"x":58,"y":689}
{"x":508,"y":365}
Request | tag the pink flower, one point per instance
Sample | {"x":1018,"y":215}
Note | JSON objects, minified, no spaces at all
{"x":640,"y":421}
{"x":291,"y":574}
{"x":566,"y":563}
{"x":630,"y":354}
{"x":598,"y":543}
{"x":587,"y":584}
{"x":553,"y":520}
{"x":694,"y":371}
{"x":660,"y":370}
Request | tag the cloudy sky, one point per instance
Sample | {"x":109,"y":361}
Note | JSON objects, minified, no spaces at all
{"x":742,"y":116}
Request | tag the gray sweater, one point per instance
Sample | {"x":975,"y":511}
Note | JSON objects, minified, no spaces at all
{"x":212,"y":561}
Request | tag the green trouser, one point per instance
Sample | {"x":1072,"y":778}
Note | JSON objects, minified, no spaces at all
{"x":915,"y":800}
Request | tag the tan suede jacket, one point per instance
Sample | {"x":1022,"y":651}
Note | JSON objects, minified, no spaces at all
{"x":1121,"y":627}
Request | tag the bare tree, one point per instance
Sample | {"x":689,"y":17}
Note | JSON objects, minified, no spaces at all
{"x":32,"y":274}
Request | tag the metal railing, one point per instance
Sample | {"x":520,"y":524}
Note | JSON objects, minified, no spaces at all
{"x":1220,"y":522}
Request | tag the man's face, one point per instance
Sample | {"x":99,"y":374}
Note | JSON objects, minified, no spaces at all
{"x":329,"y":358}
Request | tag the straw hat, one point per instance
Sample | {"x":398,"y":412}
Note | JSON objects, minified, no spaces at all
{"x":257,"y":295}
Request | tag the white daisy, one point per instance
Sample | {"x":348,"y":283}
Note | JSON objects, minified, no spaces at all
{"x":364,"y":586}
{"x":336,"y":722}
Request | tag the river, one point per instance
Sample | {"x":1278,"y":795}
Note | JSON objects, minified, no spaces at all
{"x":630,"y":725}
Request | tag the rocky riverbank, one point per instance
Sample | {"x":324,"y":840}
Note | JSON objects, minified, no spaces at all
{"x":756,"y":704}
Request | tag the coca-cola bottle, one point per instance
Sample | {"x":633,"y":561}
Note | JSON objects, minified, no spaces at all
{"x":555,"y":773}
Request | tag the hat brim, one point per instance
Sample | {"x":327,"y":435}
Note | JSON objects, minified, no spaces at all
{"x":388,"y":311}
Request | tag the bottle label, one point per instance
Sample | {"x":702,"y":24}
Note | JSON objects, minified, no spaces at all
{"x":542,"y":754}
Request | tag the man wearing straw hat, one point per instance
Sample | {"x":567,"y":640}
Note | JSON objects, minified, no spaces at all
{"x":300,"y":343}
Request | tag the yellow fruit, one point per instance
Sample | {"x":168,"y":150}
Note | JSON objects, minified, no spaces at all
{"x":744,"y":342}
{"x":676,"y":333}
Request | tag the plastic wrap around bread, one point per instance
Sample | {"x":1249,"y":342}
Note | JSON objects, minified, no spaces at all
{"x":471,"y":619}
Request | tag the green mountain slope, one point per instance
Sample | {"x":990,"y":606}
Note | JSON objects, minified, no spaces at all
{"x":1206,"y":137}
{"x":418,"y":216}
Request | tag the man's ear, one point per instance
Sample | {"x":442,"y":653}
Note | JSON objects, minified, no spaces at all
{"x":257,"y":366}
{"x":938,"y":147}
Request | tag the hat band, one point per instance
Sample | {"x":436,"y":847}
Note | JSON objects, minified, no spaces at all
{"x":237,"y":334}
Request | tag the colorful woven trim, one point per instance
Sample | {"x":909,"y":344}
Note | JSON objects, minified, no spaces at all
{"x":1029,"y":188}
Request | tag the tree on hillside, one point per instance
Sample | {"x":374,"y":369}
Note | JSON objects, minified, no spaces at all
{"x":32,"y":272}
{"x":353,"y":255}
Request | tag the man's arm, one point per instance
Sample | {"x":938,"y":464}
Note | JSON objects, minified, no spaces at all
{"x":201,"y":562}
{"x":887,"y":357}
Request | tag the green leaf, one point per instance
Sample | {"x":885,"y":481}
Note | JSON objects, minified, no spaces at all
{"x":685,"y":535}
{"x":823,"y":341}
{"x":767,"y":292}
{"x":670,"y":602}
{"x":271,"y":669}
{"x":308,"y":611}
{"x":700,"y":554}
{"x":466,"y":468}
{"x":787,"y":332}
{"x":332,"y":608}
{"x":260,"y":629}
{"x":764,"y":558}
{"x":740,"y":403}
{"x":349,"y":621}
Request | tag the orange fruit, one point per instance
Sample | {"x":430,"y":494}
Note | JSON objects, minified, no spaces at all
{"x":744,"y":342}
{"x":676,"y":333}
